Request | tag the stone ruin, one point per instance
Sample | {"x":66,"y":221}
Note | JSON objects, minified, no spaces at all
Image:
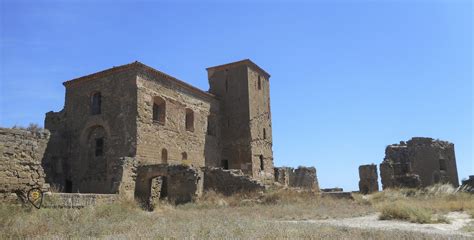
{"x":419,"y":162}
{"x":368,"y":179}
{"x":302,"y":177}
{"x":469,"y":183}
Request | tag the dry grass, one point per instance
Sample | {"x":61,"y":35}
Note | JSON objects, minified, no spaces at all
{"x":246,"y":216}
{"x":421,"y":206}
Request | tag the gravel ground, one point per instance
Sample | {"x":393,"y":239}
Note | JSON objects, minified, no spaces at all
{"x":458,"y":221}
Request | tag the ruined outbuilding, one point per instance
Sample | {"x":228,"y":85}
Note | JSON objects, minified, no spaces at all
{"x":301,"y":177}
{"x":419,"y":162}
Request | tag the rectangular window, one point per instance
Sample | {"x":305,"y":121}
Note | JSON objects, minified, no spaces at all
{"x":225,"y":164}
{"x":442,"y":165}
{"x":99,"y":147}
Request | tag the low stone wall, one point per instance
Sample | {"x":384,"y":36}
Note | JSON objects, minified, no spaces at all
{"x":229,"y":182}
{"x":302,"y":177}
{"x":76,"y":200}
{"x":368,"y":176}
{"x":21,"y":152}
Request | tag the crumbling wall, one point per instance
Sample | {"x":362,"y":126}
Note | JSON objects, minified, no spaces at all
{"x":124,"y":177}
{"x":229,"y":182}
{"x":181,"y":183}
{"x":419,"y":162}
{"x":302,"y":177}
{"x":469,"y":183}
{"x":368,"y":182}
{"x":20,"y":162}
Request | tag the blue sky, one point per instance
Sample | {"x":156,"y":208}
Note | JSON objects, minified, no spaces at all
{"x":348,"y":77}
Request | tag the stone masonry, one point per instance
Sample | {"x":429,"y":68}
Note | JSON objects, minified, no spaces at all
{"x":368,"y":182}
{"x":302,"y":177}
{"x":20,"y":162}
{"x":136,"y":112}
{"x":419,"y":162}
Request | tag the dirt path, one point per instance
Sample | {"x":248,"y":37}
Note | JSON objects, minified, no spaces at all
{"x":458,"y":221}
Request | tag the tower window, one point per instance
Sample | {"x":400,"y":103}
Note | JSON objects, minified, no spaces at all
{"x":184,"y":156}
{"x":96,"y":103}
{"x":262,"y":167}
{"x":264,"y":134}
{"x":225,"y":164}
{"x":259,"y":83}
{"x":99,"y":147}
{"x":159,"y":110}
{"x":164,"y":155}
{"x":442,"y":165}
{"x":189,"y":120}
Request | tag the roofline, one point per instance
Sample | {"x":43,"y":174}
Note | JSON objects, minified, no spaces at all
{"x":133,"y":65}
{"x":244,"y":61}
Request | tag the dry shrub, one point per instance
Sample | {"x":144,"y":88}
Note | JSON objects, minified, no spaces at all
{"x":404,"y":211}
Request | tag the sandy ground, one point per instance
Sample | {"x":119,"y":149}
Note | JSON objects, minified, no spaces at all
{"x":458,"y":220}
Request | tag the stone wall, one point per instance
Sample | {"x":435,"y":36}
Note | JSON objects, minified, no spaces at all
{"x":176,"y":144}
{"x":20,"y":161}
{"x":368,"y":182}
{"x":419,"y":162}
{"x":302,"y":177}
{"x":229,"y":182}
{"x":176,"y":183}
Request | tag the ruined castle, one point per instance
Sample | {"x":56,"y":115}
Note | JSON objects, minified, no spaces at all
{"x":135,"y":111}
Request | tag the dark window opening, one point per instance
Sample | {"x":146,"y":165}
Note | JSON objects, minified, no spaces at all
{"x":164,"y":155}
{"x":68,"y":187}
{"x":164,"y":188}
{"x":262,"y":167}
{"x":159,"y":110}
{"x":259,"y":83}
{"x":184,"y":156}
{"x":96,"y":103}
{"x":99,"y":147}
{"x":442,"y":165}
{"x":264,"y":134}
{"x":189,"y":120}
{"x":225,"y":164}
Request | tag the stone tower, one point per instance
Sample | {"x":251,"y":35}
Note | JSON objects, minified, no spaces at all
{"x":246,"y":129}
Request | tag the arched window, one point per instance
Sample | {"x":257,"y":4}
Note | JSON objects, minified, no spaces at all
{"x":164,"y":155}
{"x":96,"y":102}
{"x":159,"y":110}
{"x":264,"y":134}
{"x":262,"y":167}
{"x":189,"y":120}
{"x":259,"y":83}
{"x":184,"y":156}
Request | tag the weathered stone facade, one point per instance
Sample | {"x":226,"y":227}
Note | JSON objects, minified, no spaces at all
{"x":20,"y":162}
{"x":419,"y":162}
{"x":228,"y":182}
{"x":136,"y":112}
{"x":368,"y":182}
{"x":302,"y":177}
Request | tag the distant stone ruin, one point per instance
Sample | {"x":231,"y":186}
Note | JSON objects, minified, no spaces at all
{"x":419,"y":162}
{"x":302,"y":177}
{"x":368,"y":179}
{"x":469,"y":183}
